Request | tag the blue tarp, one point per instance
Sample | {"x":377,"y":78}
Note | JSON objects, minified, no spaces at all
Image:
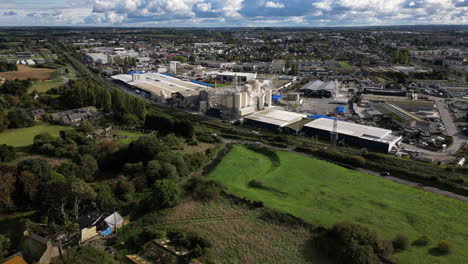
{"x":107,"y":232}
{"x":320,"y":116}
{"x":202,"y":83}
{"x":341,"y":109}
{"x":276,"y":97}
{"x":167,"y":74}
{"x":133,"y":72}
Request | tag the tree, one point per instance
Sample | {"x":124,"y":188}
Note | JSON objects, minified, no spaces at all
{"x":80,"y":191}
{"x":7,"y":153}
{"x":165,"y":194}
{"x":5,"y":244}
{"x":69,"y":169}
{"x":19,"y":118}
{"x":4,"y":122}
{"x":146,"y":148}
{"x":124,"y":189}
{"x":105,"y":198}
{"x":203,"y":189}
{"x":39,"y":167}
{"x":88,"y":166}
{"x":27,"y":188}
{"x":85,"y":255}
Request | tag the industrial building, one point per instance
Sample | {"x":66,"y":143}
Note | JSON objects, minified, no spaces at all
{"x":372,"y":138}
{"x":320,"y":89}
{"x":164,"y":88}
{"x":237,"y":77}
{"x":273,"y":119}
{"x":231,"y":103}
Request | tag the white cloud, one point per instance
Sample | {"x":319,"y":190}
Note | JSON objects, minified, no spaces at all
{"x":204,"y":7}
{"x":270,"y":4}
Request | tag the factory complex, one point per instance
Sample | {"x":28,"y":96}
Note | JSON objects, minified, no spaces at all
{"x":251,"y":101}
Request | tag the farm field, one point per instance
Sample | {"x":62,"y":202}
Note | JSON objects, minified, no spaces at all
{"x":323,"y":193}
{"x":25,"y":72}
{"x":22,"y":137}
{"x":238,"y":236}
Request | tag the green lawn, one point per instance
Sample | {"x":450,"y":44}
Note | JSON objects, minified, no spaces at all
{"x":323,"y":194}
{"x":22,"y":137}
{"x":129,"y":136}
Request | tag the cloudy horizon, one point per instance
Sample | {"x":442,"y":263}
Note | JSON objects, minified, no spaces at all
{"x":232,"y":13}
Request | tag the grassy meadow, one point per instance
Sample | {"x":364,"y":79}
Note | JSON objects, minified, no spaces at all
{"x":22,"y":137}
{"x":323,"y":193}
{"x":238,"y":236}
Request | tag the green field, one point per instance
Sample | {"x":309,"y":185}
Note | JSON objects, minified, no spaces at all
{"x":22,"y":137}
{"x":323,"y":193}
{"x":44,"y":86}
{"x":344,"y":64}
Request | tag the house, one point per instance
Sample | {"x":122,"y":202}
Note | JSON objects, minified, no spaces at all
{"x":90,"y":225}
{"x":38,"y":114}
{"x":76,"y":116}
{"x":97,"y":223}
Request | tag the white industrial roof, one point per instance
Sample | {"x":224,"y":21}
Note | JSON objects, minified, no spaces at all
{"x":276,"y":117}
{"x":156,"y":82}
{"x":319,"y":85}
{"x":245,"y":74}
{"x":356,"y":130}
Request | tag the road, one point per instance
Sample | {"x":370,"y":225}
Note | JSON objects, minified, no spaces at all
{"x":450,"y":127}
{"x":370,"y":172}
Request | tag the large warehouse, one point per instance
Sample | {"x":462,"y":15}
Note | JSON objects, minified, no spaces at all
{"x":273,"y":119}
{"x":318,"y":88}
{"x":160,"y":86}
{"x":372,"y":138}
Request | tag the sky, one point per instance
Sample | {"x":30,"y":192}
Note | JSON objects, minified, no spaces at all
{"x":231,"y":13}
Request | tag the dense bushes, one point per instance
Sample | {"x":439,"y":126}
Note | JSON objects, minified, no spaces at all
{"x":203,"y":189}
{"x":353,"y":244}
{"x":16,"y":87}
{"x":7,"y":153}
{"x":5,"y":66}
{"x":165,"y":125}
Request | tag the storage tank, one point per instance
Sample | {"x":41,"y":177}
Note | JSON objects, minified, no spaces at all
{"x":237,"y":100}
{"x":261,"y":102}
{"x":268,"y":97}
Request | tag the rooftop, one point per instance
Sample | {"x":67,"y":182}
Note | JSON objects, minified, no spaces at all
{"x":356,"y":130}
{"x":319,"y":85}
{"x":276,"y":117}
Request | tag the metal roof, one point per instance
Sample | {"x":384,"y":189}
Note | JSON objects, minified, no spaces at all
{"x":356,"y":130}
{"x":276,"y":117}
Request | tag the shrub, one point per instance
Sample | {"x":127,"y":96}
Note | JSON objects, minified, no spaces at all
{"x":444,"y":248}
{"x":354,"y":244}
{"x":422,"y":241}
{"x":401,"y":242}
{"x":256,"y":184}
{"x":203,"y":189}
